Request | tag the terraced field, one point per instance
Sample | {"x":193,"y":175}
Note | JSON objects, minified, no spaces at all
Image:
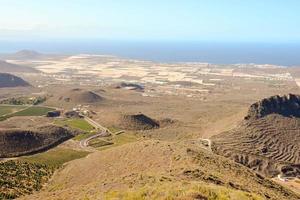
{"x":270,"y":144}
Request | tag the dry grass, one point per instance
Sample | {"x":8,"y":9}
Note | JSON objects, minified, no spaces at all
{"x":182,"y":191}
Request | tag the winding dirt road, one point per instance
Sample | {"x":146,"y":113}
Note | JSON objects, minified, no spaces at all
{"x":84,"y":143}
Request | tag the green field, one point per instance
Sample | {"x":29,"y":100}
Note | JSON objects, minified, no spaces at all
{"x":98,"y":142}
{"x":80,"y":124}
{"x":55,"y":157}
{"x":76,"y":123}
{"x":118,"y":140}
{"x":34,"y":111}
{"x":114,"y":129}
{"x":12,"y":111}
{"x":84,"y":136}
{"x":4,"y":110}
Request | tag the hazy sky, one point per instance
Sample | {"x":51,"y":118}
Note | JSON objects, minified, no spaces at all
{"x":204,"y":20}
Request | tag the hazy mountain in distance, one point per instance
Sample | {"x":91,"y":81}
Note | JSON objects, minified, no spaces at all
{"x":23,"y":55}
{"x":27,"y":54}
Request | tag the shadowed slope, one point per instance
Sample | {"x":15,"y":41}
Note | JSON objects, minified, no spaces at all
{"x":9,"y":80}
{"x":17,"y":142}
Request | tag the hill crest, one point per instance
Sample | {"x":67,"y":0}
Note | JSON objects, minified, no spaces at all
{"x":286,"y":105}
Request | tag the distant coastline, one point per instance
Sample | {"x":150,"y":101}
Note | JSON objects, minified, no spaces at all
{"x":285,"y":54}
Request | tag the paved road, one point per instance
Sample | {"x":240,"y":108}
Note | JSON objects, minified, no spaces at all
{"x":96,"y":125}
{"x":84,"y":143}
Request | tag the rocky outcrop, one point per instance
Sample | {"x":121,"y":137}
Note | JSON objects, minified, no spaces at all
{"x":287,"y":105}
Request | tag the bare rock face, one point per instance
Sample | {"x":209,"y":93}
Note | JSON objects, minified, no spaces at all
{"x":287,"y":105}
{"x":17,"y":142}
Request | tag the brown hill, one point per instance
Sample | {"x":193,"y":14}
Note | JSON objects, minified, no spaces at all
{"x":80,"y":96}
{"x":17,"y":142}
{"x":13,"y":68}
{"x":268,"y":141}
{"x":159,"y":170}
{"x":138,"y":122}
{"x":9,"y":80}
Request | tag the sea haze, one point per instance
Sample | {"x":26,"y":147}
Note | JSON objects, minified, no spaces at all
{"x":286,"y":54}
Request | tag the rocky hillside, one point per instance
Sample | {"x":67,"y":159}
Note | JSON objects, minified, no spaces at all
{"x":138,"y":122}
{"x":9,"y":80}
{"x":17,"y":142}
{"x":287,"y":105}
{"x":268,"y":141}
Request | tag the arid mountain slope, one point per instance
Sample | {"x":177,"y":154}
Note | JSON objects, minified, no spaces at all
{"x":268,"y":141}
{"x":166,"y":171}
